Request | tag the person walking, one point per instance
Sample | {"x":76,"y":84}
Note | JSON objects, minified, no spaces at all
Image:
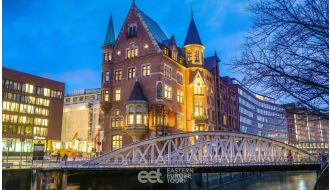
{"x":58,"y":157}
{"x":65,"y":159}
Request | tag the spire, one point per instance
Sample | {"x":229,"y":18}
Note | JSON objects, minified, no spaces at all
{"x":192,"y":36}
{"x":137,"y":93}
{"x":216,"y":57}
{"x":110,"y":35}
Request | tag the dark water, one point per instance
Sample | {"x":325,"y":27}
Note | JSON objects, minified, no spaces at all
{"x":276,"y":181}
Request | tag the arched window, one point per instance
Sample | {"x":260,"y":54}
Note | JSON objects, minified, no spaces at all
{"x":117,"y":142}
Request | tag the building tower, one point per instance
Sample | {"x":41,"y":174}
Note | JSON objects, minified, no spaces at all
{"x":193,"y":45}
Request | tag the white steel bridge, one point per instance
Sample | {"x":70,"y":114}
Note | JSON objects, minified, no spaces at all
{"x":203,"y":149}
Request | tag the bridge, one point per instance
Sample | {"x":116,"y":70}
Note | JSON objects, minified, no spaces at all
{"x":212,"y":149}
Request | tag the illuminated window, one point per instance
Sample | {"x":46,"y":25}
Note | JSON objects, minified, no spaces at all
{"x":131,"y":119}
{"x":118,"y":75}
{"x":9,"y":118}
{"x":117,"y":142}
{"x":117,"y":94}
{"x":198,"y":108}
{"x":180,"y":96}
{"x":197,"y":56}
{"x":131,"y":73}
{"x":39,"y":131}
{"x":168,"y":72}
{"x":179,"y":122}
{"x":28,"y":88}
{"x":11,"y":85}
{"x":165,"y":50}
{"x":131,"y":53}
{"x":46,"y":92}
{"x":225,"y":120}
{"x":179,"y":78}
{"x":24,"y":108}
{"x":175,"y":55}
{"x":41,"y":111}
{"x":116,"y":122}
{"x":145,"y":120}
{"x":11,"y":96}
{"x":107,"y":56}
{"x":189,"y":55}
{"x":25,"y":120}
{"x":10,"y":106}
{"x":198,"y":88}
{"x":168,"y":92}
{"x":138,"y":119}
{"x":145,"y":70}
{"x":106,"y":95}
{"x":41,"y":121}
{"x":107,"y":76}
{"x":42,"y":102}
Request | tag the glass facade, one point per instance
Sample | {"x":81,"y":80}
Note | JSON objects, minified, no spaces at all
{"x":260,"y":116}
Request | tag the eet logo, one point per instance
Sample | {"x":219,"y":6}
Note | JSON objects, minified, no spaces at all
{"x":151,"y":177}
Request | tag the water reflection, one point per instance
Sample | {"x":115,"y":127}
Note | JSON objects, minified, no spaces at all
{"x":276,"y":181}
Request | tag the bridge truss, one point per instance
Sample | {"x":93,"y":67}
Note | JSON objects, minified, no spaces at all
{"x":202,"y":149}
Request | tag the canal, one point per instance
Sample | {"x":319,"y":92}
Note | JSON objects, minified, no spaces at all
{"x":120,"y":180}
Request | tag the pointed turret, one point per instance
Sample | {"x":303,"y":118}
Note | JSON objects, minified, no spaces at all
{"x":137,"y":93}
{"x":193,"y":44}
{"x":192,"y":36}
{"x":110,"y":35}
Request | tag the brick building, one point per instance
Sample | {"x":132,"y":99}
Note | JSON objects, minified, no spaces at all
{"x":151,"y":86}
{"x":32,"y":109}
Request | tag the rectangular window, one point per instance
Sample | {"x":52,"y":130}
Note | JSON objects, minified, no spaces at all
{"x":117,"y":142}
{"x":132,"y":30}
{"x":180,"y":96}
{"x":116,"y":122}
{"x":25,"y":108}
{"x":46,"y":92}
{"x":107,"y":76}
{"x":131,"y":73}
{"x":118,"y":75}
{"x":145,"y":70}
{"x":117,"y":95}
{"x":42,"y":102}
{"x":10,"y":106}
{"x":189,"y":55}
{"x":131,"y":119}
{"x":131,"y":53}
{"x":168,"y":92}
{"x":106,"y":95}
{"x":28,"y":88}
{"x":198,"y":109}
{"x":180,"y":123}
{"x":138,"y":119}
{"x":198,"y":89}
{"x":179,"y":78}
{"x":168,"y":72}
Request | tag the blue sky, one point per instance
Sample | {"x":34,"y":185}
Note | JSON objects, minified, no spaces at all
{"x":62,"y":39}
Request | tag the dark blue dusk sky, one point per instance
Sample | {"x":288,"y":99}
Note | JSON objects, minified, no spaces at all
{"x":62,"y":39}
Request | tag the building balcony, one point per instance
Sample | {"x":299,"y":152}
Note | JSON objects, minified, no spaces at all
{"x":200,"y":119}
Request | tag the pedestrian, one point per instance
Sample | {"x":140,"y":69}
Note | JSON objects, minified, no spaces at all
{"x":65,"y":159}
{"x":74,"y":155}
{"x":58,"y":157}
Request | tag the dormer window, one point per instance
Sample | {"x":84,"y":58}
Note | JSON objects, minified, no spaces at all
{"x":165,"y":51}
{"x":175,"y":55}
{"x":132,"y":30}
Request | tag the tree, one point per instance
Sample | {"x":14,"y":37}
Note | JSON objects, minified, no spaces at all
{"x":286,"y":54}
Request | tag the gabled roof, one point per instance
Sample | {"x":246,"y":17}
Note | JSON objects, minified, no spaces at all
{"x":110,"y":35}
{"x":192,"y":36}
{"x":137,"y":93}
{"x":211,"y":62}
{"x":154,"y":28}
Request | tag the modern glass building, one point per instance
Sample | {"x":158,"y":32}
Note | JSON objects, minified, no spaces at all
{"x":258,"y":114}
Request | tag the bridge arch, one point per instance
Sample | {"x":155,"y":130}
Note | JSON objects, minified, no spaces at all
{"x":202,"y":148}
